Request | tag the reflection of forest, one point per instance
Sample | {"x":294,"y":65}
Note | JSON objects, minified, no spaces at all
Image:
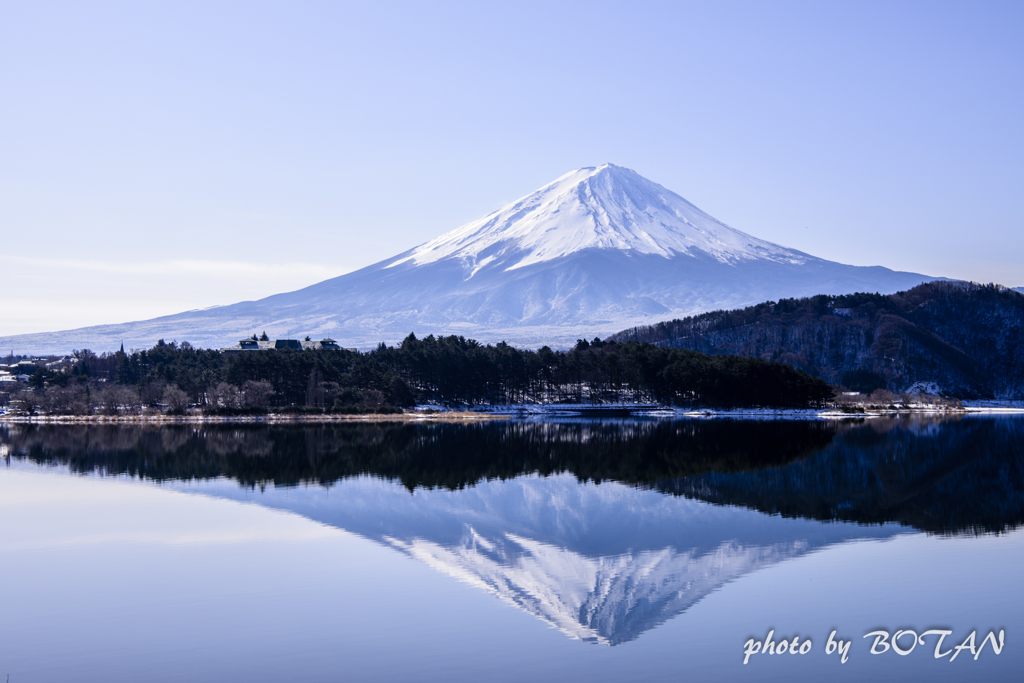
{"x":942,"y":476}
{"x":950,"y":475}
{"x":427,"y":455}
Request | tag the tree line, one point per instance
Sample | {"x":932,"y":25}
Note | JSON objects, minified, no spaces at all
{"x":448,"y":370}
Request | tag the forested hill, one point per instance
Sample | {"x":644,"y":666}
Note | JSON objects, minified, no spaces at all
{"x":967,"y":339}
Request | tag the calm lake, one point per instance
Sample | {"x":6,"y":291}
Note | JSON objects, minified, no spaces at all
{"x":576,"y":550}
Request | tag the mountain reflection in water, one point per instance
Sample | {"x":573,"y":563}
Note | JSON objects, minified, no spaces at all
{"x":600,"y":528}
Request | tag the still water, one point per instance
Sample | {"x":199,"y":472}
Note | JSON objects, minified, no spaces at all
{"x":550,"y":551}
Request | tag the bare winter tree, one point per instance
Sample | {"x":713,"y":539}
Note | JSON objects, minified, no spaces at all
{"x":175,"y":399}
{"x":26,"y":400}
{"x":70,"y":400}
{"x":105,"y":401}
{"x":257,"y":394}
{"x":224,"y":395}
{"x":126,"y":399}
{"x":152,"y":392}
{"x":373,"y":398}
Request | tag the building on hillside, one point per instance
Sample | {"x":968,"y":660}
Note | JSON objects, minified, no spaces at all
{"x":325,"y":344}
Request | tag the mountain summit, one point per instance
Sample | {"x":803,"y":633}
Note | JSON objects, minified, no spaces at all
{"x":595,"y":251}
{"x":607,"y":207}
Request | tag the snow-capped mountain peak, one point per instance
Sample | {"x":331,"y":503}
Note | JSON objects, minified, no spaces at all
{"x":603,"y":207}
{"x":596,"y":251}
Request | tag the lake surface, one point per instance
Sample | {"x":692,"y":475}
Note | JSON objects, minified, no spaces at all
{"x":586,"y":550}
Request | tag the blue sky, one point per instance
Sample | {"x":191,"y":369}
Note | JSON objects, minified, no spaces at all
{"x":161,"y":157}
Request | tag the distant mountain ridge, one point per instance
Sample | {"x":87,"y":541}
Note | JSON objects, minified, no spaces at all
{"x":961,"y":338}
{"x":596,"y":250}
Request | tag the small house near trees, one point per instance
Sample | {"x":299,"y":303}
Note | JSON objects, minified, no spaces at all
{"x":266,"y":344}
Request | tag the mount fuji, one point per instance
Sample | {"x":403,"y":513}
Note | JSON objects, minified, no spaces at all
{"x":593,"y":252}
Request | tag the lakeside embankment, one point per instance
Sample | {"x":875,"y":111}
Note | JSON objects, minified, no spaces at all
{"x":270,"y":418}
{"x":530,"y":412}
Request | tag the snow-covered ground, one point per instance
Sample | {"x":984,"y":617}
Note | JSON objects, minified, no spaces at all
{"x":561,"y":410}
{"x":995,"y":406}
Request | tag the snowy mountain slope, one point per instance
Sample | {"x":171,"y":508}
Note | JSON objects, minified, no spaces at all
{"x":591,"y":253}
{"x":607,"y":207}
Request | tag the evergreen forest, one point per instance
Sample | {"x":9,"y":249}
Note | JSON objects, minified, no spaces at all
{"x":448,"y":371}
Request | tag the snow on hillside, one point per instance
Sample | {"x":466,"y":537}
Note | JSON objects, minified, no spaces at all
{"x":594,"y":252}
{"x":604,"y":207}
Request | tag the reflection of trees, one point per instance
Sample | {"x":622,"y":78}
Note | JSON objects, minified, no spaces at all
{"x":438,"y":455}
{"x":939,"y":475}
{"x":251,"y":443}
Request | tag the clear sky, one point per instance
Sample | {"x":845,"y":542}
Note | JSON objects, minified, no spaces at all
{"x":158,"y":157}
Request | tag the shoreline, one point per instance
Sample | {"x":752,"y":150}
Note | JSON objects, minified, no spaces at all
{"x":452,"y":416}
{"x":509,"y":414}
